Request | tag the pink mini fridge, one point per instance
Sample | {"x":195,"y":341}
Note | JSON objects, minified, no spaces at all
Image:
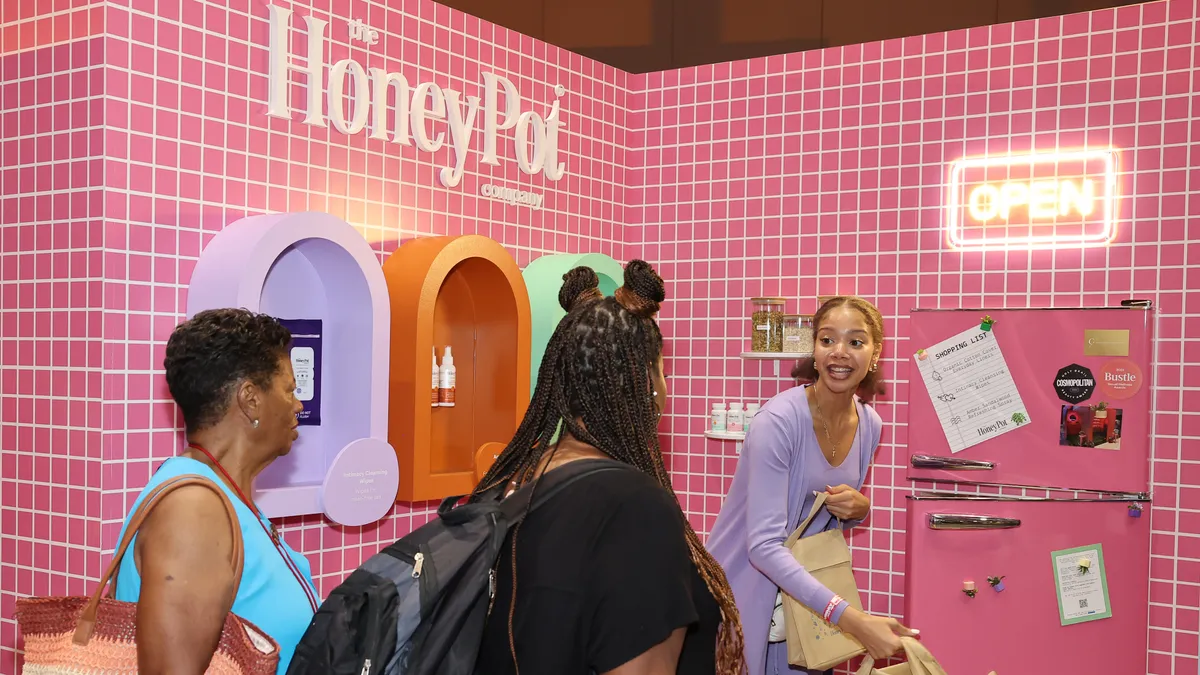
{"x":1055,"y":582}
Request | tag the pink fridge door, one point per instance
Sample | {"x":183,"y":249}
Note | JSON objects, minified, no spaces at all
{"x":1065,"y":444}
{"x":1018,"y":631}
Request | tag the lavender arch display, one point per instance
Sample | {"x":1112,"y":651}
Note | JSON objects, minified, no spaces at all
{"x":315,"y":266}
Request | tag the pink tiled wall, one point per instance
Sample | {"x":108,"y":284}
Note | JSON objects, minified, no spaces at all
{"x":124,"y":154}
{"x":801,"y":175}
{"x":190,"y":149}
{"x":51,"y":163}
{"x":824,"y":172}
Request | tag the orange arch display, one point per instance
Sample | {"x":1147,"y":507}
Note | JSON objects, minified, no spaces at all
{"x":467,"y":293}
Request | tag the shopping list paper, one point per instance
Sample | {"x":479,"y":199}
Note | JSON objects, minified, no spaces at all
{"x":1082,"y":584}
{"x":972,"y":389}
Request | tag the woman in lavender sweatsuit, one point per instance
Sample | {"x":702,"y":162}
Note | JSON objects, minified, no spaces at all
{"x":813,"y":438}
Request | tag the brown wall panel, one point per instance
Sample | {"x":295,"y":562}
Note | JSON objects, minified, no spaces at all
{"x":759,"y":21}
{"x":637,"y":49}
{"x":648,"y":59}
{"x":854,"y":21}
{"x":651,"y":35}
{"x":781,"y":26}
{"x":1019,"y":10}
{"x":600,"y":23}
{"x":524,"y":16}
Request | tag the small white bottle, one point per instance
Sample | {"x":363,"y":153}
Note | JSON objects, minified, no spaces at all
{"x":718,"y":417}
{"x":751,"y":411}
{"x":446,"y":380}
{"x":735,"y":419}
{"x":433,"y":396}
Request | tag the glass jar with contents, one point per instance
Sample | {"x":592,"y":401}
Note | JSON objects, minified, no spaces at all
{"x":766,"y":324}
{"x":797,"y":334}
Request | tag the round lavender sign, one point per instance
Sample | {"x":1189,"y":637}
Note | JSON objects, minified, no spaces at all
{"x":360,"y":485}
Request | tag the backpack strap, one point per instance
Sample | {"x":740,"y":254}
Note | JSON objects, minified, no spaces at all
{"x":517,"y":505}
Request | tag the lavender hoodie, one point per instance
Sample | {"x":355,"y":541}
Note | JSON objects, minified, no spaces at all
{"x":772,"y":492}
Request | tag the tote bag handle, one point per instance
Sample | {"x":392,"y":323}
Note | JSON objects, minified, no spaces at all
{"x":87,"y":620}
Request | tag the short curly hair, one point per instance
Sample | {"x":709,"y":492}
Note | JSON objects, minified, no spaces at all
{"x":209,"y":354}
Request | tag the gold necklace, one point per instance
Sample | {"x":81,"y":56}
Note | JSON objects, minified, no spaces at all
{"x":821,"y":413}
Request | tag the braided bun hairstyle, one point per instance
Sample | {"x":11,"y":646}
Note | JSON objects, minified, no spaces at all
{"x":580,"y":285}
{"x":643,"y":292}
{"x":595,"y":383}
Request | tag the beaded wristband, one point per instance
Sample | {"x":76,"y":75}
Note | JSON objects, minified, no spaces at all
{"x":833,"y":603}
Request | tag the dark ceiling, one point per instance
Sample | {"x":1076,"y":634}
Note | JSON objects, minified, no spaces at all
{"x":650,"y":35}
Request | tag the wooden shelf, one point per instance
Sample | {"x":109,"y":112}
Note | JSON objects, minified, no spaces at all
{"x":775,"y":356}
{"x":466,"y":292}
{"x":725,"y":435}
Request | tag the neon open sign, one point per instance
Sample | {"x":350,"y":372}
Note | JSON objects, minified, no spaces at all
{"x":1036,"y":200}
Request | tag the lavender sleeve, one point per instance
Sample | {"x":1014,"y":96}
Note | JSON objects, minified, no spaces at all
{"x":766,"y":450}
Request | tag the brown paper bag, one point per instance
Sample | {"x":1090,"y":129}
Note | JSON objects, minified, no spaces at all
{"x":920,"y":662}
{"x":812,"y":641}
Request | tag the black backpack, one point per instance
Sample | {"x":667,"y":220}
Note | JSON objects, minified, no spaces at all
{"x":418,"y":607}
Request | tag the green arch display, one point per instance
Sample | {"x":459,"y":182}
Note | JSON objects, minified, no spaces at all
{"x":543,"y":278}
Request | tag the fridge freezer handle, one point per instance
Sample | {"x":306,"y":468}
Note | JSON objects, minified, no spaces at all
{"x":950,"y":521}
{"x":950,"y":463}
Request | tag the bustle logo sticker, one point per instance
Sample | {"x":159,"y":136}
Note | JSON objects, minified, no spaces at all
{"x":1120,"y":379}
{"x":1074,"y":383}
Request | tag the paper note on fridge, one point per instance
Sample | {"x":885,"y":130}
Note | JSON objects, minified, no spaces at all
{"x":1082,"y":584}
{"x":972,"y":388}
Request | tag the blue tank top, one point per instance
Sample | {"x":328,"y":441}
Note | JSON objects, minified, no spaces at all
{"x":269,"y":596}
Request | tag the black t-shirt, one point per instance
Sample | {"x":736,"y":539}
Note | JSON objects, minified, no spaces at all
{"x":604,"y":574}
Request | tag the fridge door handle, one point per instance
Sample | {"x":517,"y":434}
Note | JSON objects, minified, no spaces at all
{"x":950,"y":463}
{"x":952,"y":521}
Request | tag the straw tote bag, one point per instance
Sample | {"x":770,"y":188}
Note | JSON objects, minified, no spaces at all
{"x":812,"y":641}
{"x":97,"y":635}
{"x":920,"y":662}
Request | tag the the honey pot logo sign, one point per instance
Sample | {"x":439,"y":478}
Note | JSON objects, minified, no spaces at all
{"x":353,"y":98}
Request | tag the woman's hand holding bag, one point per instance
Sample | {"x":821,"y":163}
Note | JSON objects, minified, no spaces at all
{"x":920,"y":662}
{"x":882,"y":637}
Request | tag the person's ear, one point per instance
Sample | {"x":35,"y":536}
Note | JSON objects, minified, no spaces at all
{"x":249,"y":401}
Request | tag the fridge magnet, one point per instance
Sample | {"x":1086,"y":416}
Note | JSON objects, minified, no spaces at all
{"x":1105,"y":342}
{"x":969,"y":588}
{"x":922,"y":354}
{"x":972,"y":388}
{"x":1120,"y":379}
{"x":1074,"y":383}
{"x":997,"y":584}
{"x":1081,"y":583}
{"x":986,"y":323}
{"x":1090,"y":426}
{"x":1135,"y":510}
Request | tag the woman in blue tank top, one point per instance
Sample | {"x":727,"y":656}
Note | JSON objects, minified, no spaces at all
{"x":230,"y":372}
